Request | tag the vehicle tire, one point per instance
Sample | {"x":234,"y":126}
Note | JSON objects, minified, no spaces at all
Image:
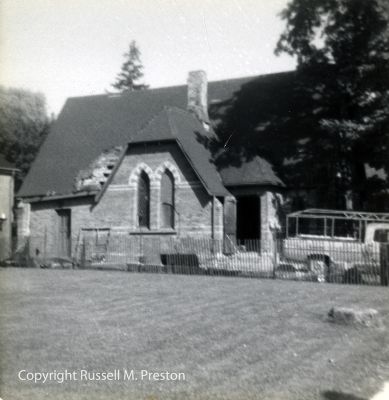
{"x":320,"y":266}
{"x":352,"y":276}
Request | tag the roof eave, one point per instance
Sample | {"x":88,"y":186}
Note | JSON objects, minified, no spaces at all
{"x":162,"y":140}
{"x":209,"y":191}
{"x":37,"y":198}
{"x":9,"y":170}
{"x":263,"y":183}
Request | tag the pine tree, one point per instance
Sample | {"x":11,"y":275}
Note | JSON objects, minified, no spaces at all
{"x":342,"y":52}
{"x":131,"y":72}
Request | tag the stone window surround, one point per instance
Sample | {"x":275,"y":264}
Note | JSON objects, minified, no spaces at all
{"x":155,"y":178}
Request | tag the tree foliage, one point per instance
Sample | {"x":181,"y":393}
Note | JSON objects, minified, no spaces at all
{"x":342,"y":51}
{"x":325,"y":126}
{"x":24,"y":125}
{"x":131,"y":72}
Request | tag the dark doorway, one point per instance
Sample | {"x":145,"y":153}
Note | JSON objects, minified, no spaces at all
{"x":64,"y":233}
{"x":248,"y":217}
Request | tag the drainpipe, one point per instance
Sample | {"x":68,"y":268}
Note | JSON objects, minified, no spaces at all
{"x":213,"y":218}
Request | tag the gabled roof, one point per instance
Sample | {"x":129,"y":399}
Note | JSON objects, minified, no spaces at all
{"x":257,"y":171}
{"x":182,"y":126}
{"x":89,"y":125}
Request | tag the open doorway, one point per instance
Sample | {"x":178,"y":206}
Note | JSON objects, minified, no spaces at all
{"x":248,"y":218}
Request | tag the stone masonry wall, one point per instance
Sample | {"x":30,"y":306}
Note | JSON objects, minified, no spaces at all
{"x":270,"y":223}
{"x":193,"y":205}
{"x":117,"y":206}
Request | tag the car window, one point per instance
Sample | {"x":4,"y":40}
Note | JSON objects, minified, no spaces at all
{"x":381,"y":236}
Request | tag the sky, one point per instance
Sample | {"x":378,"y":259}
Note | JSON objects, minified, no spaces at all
{"x":67,"y":48}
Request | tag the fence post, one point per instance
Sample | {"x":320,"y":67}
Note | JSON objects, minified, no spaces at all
{"x":27,"y":257}
{"x":83,"y":253}
{"x":275,"y":256}
{"x":45,"y":244}
{"x":384,"y":264}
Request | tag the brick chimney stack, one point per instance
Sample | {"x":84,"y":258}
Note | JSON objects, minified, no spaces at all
{"x":198,"y":95}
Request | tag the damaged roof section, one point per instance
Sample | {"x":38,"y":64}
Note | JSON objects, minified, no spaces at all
{"x":94,"y":177}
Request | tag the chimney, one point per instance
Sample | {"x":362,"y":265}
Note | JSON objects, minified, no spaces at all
{"x":197,"y":95}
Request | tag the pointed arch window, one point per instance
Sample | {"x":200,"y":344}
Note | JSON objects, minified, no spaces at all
{"x":144,"y":201}
{"x":167,"y":200}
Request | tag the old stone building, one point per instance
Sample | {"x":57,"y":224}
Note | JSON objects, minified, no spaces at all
{"x":138,"y":163}
{"x":7,"y":175}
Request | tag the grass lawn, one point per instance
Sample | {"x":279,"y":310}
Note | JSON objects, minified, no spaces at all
{"x":233,"y":338}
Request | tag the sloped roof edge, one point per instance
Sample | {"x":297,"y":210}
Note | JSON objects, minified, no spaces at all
{"x":88,"y":125}
{"x":222,"y":191}
{"x":175,"y":138}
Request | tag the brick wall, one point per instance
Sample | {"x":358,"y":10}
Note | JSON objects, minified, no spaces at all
{"x":116,"y":209}
{"x":197,"y":213}
{"x":193,"y":205}
{"x":44,"y":225}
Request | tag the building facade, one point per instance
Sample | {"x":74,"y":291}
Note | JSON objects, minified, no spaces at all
{"x":7,"y":180}
{"x":137,"y":165}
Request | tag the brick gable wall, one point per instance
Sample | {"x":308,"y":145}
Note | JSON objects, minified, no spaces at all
{"x":117,"y":207}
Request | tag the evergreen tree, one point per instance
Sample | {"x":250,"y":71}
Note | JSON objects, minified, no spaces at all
{"x":342,"y":51}
{"x":131,"y":72}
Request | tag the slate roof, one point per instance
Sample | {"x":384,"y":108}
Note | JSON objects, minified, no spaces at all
{"x":181,"y":126}
{"x":252,"y":172}
{"x":89,"y":125}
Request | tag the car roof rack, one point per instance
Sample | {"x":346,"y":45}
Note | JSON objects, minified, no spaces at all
{"x":340,"y":214}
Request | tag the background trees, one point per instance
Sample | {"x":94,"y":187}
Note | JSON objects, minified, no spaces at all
{"x":342,"y":51}
{"x":24,"y":124}
{"x":325,"y":126}
{"x":131,"y":71}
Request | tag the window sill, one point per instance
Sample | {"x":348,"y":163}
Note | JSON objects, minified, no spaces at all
{"x":145,"y":231}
